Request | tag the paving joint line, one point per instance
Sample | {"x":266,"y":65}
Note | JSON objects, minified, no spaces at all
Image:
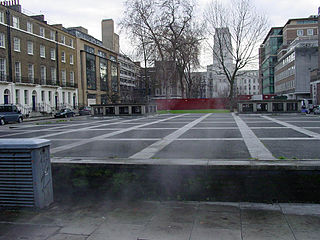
{"x":72,"y":145}
{"x":293,"y":127}
{"x":151,"y":150}
{"x":254,"y":145}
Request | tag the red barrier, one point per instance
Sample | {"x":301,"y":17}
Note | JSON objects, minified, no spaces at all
{"x":192,"y":103}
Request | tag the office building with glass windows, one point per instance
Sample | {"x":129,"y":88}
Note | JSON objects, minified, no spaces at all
{"x":268,"y":59}
{"x":99,"y":70}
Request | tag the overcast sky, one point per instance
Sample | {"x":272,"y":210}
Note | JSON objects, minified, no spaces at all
{"x":89,"y":14}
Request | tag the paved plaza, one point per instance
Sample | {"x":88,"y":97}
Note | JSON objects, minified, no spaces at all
{"x":202,"y":138}
{"x":105,"y":220}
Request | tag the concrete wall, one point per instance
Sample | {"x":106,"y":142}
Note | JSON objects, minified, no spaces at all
{"x":306,"y":60}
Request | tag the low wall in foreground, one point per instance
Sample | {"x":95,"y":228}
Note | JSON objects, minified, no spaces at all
{"x":185,"y":183}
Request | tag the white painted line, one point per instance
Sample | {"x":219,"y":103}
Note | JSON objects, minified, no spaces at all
{"x":83,"y":142}
{"x":296,"y":128}
{"x":268,"y":128}
{"x":255,"y":147}
{"x":214,"y":128}
{"x":150,"y":151}
{"x":209,"y":139}
{"x":290,"y":138}
{"x":106,"y":139}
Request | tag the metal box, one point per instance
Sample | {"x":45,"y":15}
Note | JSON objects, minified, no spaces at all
{"x":25,"y":173}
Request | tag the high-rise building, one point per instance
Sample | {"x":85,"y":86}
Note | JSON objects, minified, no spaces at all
{"x":268,"y":59}
{"x":110,"y":39}
{"x":217,"y":83}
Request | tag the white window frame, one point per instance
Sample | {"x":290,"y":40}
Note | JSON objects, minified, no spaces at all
{"x":63,"y":39}
{"x":63,"y":57}
{"x":15,"y":22}
{"x":29,"y":27}
{"x":30,"y":47}
{"x":42,"y":51}
{"x":53,"y":54}
{"x":71,"y":59}
{"x":42,"y":32}
{"x":17,"y":71}
{"x":63,"y":77}
{"x":3,"y":69}
{"x":43,"y":75}
{"x":54,"y":75}
{"x":72,"y":78}
{"x":2,"y":40}
{"x":300,"y":32}
{"x":31,"y":72}
{"x":16,"y":44}
{"x":1,"y":16}
{"x":26,"y":96}
{"x":52,"y":35}
{"x":17,"y":96}
{"x":310,"y":32}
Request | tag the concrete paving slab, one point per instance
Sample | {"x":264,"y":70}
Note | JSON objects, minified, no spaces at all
{"x":218,"y":220}
{"x":29,"y":232}
{"x":278,"y":133}
{"x":107,"y":231}
{"x":291,"y":149}
{"x":166,"y":125}
{"x":85,"y":134}
{"x":304,"y":223}
{"x":264,"y":124}
{"x":316,"y":130}
{"x":262,"y":217}
{"x":217,"y":133}
{"x":263,"y":232}
{"x":166,"y":230}
{"x":155,"y":133}
{"x":220,"y":207}
{"x":122,"y":126}
{"x":37,"y":134}
{"x":306,"y":124}
{"x":213,"y":124}
{"x":107,"y":149}
{"x":83,"y":226}
{"x":67,"y":237}
{"x":205,"y":150}
{"x":214,"y":234}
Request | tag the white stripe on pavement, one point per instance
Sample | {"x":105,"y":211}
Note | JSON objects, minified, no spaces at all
{"x":296,"y":128}
{"x":148,"y":152}
{"x":255,"y":147}
{"x":76,"y":144}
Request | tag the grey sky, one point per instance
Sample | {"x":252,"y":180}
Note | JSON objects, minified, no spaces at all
{"x":89,"y":14}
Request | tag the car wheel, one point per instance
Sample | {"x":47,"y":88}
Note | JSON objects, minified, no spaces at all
{"x":65,"y":116}
{"x":2,"y":122}
{"x":20,"y":120}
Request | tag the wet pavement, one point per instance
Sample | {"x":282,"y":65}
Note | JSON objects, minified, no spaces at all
{"x":147,"y":220}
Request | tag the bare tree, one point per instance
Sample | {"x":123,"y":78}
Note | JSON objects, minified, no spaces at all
{"x":160,"y":24}
{"x":237,"y":31}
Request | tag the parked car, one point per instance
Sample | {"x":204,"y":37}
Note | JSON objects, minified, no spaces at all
{"x":85,"y":111}
{"x":65,"y":113}
{"x":316,"y":110}
{"x":10,"y":113}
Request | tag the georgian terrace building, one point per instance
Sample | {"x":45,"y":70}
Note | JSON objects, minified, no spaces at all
{"x":38,"y":62}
